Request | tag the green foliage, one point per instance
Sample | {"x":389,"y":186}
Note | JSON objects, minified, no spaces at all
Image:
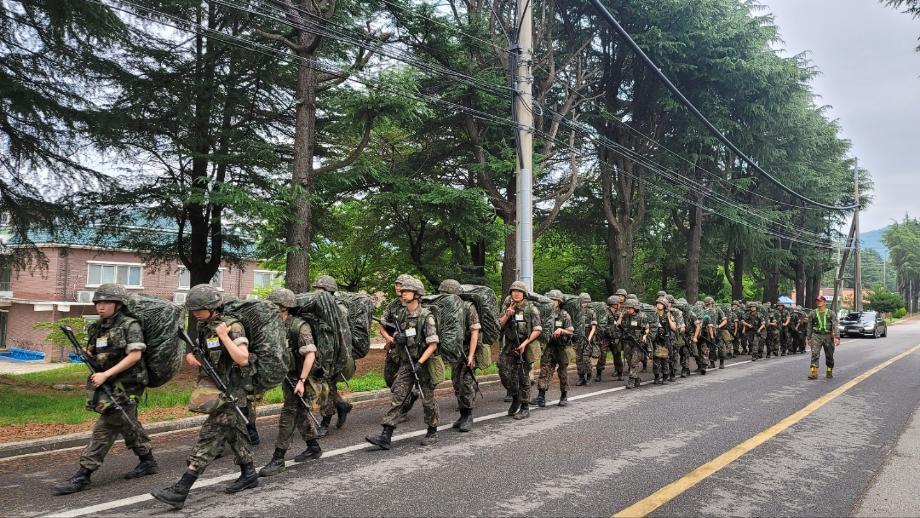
{"x":57,"y":337}
{"x":885,"y":301}
{"x":899,"y":313}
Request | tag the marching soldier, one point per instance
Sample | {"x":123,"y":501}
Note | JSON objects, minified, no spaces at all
{"x":664,"y":329}
{"x":612,"y":335}
{"x":520,"y":324}
{"x":586,"y":347}
{"x":554,"y":356}
{"x":116,"y":345}
{"x":635,"y":328}
{"x":823,"y":334}
{"x":333,"y":404}
{"x":753,"y":327}
{"x":462,"y":372}
{"x":679,"y":357}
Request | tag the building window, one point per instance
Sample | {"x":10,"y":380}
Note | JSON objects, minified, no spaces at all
{"x":128,"y":275}
{"x":185,"y":279}
{"x":264,"y":279}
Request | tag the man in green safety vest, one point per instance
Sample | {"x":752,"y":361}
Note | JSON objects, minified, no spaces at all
{"x":822,"y":334}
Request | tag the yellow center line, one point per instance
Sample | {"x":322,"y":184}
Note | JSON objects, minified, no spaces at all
{"x":671,"y":491}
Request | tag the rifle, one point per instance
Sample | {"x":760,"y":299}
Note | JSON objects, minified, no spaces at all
{"x":303,"y":401}
{"x":463,"y":367}
{"x":633,"y":339}
{"x":400,"y":336}
{"x":212,"y":373}
{"x":93,"y":369}
{"x":520,"y":355}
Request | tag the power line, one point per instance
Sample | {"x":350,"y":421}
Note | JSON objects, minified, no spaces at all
{"x":702,"y":118}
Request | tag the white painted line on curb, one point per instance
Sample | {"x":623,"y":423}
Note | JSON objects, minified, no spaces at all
{"x":115,"y":504}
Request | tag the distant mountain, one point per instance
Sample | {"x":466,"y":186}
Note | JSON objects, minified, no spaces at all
{"x":873,"y":240}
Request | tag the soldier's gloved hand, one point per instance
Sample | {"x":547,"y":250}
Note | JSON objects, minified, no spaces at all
{"x":418,"y":367}
{"x":401,"y":339}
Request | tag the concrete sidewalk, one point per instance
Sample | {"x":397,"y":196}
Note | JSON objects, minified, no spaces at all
{"x":894,"y":490}
{"x":8,"y":367}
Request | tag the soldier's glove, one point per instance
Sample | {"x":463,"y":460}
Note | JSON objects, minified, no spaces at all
{"x":418,"y":367}
{"x":401,"y":339}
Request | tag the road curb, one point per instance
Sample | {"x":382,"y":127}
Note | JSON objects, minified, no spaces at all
{"x":60,"y":442}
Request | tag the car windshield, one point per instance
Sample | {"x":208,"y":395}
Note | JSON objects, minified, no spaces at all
{"x":866,"y":316}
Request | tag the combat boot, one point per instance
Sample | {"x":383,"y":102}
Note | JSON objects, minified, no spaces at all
{"x":813,"y":374}
{"x":657,"y":380}
{"x":431,"y":437}
{"x":581,"y":381}
{"x":564,"y":399}
{"x":508,"y":397}
{"x":637,"y":382}
{"x":248,"y":480}
{"x":147,"y":466}
{"x":541,"y":399}
{"x":523,"y":413}
{"x":597,"y":378}
{"x":684,"y":372}
{"x":74,"y":484}
{"x":467,"y":423}
{"x":459,"y":420}
{"x":671,"y":377}
{"x":382,"y":441}
{"x":515,"y":406}
{"x":342,"y":410}
{"x":253,"y":432}
{"x":703,"y":371}
{"x":176,"y":495}
{"x":274,"y":466}
{"x":722,"y":363}
{"x":830,"y":373}
{"x":312,"y":452}
{"x":619,"y":376}
{"x":323,"y":429}
{"x":629,"y":383}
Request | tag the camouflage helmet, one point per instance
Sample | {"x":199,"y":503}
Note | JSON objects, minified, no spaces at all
{"x":283,"y":297}
{"x":620,"y":292}
{"x":414,"y":285}
{"x":633,"y":304}
{"x":709,"y":300}
{"x":584,"y":298}
{"x":227,"y":298}
{"x":671,"y":299}
{"x":326,"y":282}
{"x":555,"y":295}
{"x":518,"y":286}
{"x":203,"y":296}
{"x":632,"y":296}
{"x":663,"y":301}
{"x":661,"y":293}
{"x":752,"y":304}
{"x":613,"y":300}
{"x":450,"y":286}
{"x":682,"y":301}
{"x":403,"y":277}
{"x":110,"y":292}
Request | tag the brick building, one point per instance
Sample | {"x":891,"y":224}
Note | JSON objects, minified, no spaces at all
{"x":75,"y":268}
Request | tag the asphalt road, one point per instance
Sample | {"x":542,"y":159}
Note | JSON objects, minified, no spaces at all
{"x":609,"y":449}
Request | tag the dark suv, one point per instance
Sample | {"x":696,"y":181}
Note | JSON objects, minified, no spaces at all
{"x":866,"y":323}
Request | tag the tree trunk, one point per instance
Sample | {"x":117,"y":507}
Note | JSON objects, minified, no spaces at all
{"x":694,"y":248}
{"x":300,"y":229}
{"x":771,"y":285}
{"x":800,"y":282}
{"x":478,"y":259}
{"x":738,"y":275}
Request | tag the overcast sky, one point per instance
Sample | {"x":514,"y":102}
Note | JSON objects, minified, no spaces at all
{"x":870,"y":74}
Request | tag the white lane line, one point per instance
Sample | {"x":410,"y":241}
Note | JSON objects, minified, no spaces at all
{"x":115,"y":504}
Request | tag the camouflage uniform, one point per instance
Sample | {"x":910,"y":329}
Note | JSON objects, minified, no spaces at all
{"x":464,"y":384}
{"x":636,"y":326}
{"x":223,"y":427}
{"x":526,"y":320}
{"x":752,"y":336}
{"x":785,"y":335}
{"x":660,"y":333}
{"x":333,"y":399}
{"x":421,"y":329}
{"x":554,"y":357}
{"x":679,"y":357}
{"x":585,"y":348}
{"x":391,"y":363}
{"x":773,"y":332}
{"x":799,"y":326}
{"x":293,"y":413}
{"x":822,"y":331}
{"x":611,"y":337}
{"x":109,"y":341}
{"x":701,"y":346}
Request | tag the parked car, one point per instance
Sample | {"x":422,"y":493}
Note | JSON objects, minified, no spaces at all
{"x":865,"y":323}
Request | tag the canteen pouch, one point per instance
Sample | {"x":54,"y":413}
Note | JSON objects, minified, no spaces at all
{"x":206,"y":398}
{"x":483,"y":356}
{"x":435,"y":366}
{"x":533,"y":352}
{"x":661,"y":351}
{"x":570,"y":354}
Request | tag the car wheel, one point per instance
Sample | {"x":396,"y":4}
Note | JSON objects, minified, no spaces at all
{"x":885,"y":332}
{"x":875,"y":334}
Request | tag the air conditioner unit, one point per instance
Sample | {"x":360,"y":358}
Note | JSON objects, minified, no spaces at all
{"x":252,"y":296}
{"x":85,"y":296}
{"x":179,"y":298}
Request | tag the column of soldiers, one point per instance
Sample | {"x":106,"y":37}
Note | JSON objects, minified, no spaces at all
{"x":668,"y":335}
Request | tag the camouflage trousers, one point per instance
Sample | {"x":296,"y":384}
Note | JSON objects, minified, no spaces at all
{"x":583,"y":349}
{"x":332,"y":399}
{"x":294,"y":416}
{"x":220,"y":429}
{"x":798,"y":340}
{"x":680,"y":356}
{"x":787,"y":343}
{"x":106,"y":431}
{"x":554,"y":359}
{"x":637,"y":357}
{"x":464,"y":383}
{"x":754,"y":344}
{"x":517,"y":375}
{"x":616,"y":352}
{"x":702,"y":354}
{"x":662,"y":366}
{"x":403,"y":384}
{"x":772,"y":341}
{"x":390,"y":366}
{"x":817,"y":342}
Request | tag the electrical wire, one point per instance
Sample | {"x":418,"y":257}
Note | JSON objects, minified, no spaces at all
{"x":702,"y":118}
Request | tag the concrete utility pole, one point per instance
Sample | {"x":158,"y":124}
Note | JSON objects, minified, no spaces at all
{"x":857,"y":270}
{"x":523,"y":110}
